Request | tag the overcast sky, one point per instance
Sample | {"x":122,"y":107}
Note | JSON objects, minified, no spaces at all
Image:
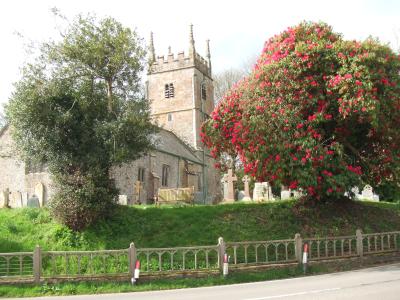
{"x":237,"y":29}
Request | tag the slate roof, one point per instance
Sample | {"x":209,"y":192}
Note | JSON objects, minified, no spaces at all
{"x":167,"y":142}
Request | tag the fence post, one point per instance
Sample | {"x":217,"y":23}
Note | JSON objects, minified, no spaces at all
{"x":37,"y":263}
{"x":132,"y":258}
{"x":221,"y":253}
{"x":359,"y":242}
{"x":298,"y":246}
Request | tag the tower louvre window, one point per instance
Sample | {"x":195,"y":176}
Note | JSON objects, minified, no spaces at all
{"x":169,"y":90}
{"x":203,"y":91}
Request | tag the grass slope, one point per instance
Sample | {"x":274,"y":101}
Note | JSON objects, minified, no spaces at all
{"x":22,"y":229}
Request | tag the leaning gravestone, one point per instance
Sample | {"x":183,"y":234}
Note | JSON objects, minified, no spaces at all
{"x":39,"y":192}
{"x":16,"y":200}
{"x":33,"y":202}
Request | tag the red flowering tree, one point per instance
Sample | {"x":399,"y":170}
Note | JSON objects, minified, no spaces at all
{"x":318,"y":113}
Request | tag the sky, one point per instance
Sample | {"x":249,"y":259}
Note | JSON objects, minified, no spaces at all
{"x":237,"y":29}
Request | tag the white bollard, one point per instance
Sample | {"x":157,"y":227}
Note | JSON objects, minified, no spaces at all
{"x":136,"y":273}
{"x":225,"y":266}
{"x":305,"y":257}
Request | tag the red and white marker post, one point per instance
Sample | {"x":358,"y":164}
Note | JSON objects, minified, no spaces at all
{"x":136,"y":273}
{"x":225,"y":270}
{"x":305,"y":257}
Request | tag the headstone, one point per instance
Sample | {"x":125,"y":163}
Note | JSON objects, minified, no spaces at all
{"x":258,"y":192}
{"x":262,"y":192}
{"x":242,"y":196}
{"x":367,"y":193}
{"x":25,"y":199}
{"x":285,"y":193}
{"x":16,"y":200}
{"x":230,"y":179}
{"x":33,"y":202}
{"x":123,"y":199}
{"x":39,"y":192}
{"x":5,"y":198}
{"x":246,"y":180}
{"x":267,"y":192}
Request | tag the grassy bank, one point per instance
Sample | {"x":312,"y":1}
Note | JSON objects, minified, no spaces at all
{"x":22,"y":229}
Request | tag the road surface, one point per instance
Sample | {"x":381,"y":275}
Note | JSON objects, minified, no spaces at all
{"x":373,"y":283}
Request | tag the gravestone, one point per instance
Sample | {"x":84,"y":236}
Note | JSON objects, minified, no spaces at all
{"x":262,"y":192}
{"x":267,"y":191}
{"x":258,"y":192}
{"x":246,"y":180}
{"x":16,"y":200}
{"x":285,"y":193}
{"x":39,"y":192}
{"x":122,"y":199}
{"x":33,"y":202}
{"x":242,"y":196}
{"x":230,"y":179}
{"x":5,"y":198}
{"x":367,"y":193}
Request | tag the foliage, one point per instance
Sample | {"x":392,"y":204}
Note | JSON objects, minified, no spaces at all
{"x":318,"y":113}
{"x":79,"y":110}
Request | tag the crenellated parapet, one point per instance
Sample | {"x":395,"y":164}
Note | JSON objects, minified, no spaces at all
{"x":180,"y":61}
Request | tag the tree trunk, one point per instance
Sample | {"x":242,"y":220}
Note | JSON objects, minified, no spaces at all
{"x":109,"y":95}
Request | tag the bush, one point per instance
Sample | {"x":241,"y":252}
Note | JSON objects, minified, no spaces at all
{"x":317,"y":113}
{"x":79,"y":199}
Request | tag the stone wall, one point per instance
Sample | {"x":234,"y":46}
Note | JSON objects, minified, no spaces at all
{"x":12,"y":170}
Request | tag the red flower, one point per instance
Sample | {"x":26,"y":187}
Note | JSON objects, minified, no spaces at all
{"x":293,"y":185}
{"x":277,"y":157}
{"x":348,"y":76}
{"x":358,"y":82}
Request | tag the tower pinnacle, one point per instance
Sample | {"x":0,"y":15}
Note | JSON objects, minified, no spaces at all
{"x":152,"y":54}
{"x":192,"y":50}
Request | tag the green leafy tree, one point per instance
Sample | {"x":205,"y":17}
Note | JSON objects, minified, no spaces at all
{"x":317,"y":112}
{"x":79,"y":109}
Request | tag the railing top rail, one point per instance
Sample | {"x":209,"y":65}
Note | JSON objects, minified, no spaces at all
{"x":259,"y":242}
{"x":86,"y":252}
{"x":331,"y":238}
{"x":381,"y":233}
{"x":16,"y":254}
{"x":213,"y":247}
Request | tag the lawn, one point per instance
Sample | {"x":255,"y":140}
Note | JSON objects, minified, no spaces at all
{"x":22,"y":229}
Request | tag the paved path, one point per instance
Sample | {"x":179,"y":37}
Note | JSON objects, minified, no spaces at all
{"x":373,"y":283}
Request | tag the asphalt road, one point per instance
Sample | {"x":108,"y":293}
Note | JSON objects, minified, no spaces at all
{"x":373,"y":283}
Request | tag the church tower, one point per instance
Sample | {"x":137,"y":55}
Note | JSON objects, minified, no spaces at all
{"x":180,"y":89}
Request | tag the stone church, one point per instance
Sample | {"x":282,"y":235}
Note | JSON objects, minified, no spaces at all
{"x":180,"y":90}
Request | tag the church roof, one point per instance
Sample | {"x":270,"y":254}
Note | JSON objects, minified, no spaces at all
{"x":167,"y":142}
